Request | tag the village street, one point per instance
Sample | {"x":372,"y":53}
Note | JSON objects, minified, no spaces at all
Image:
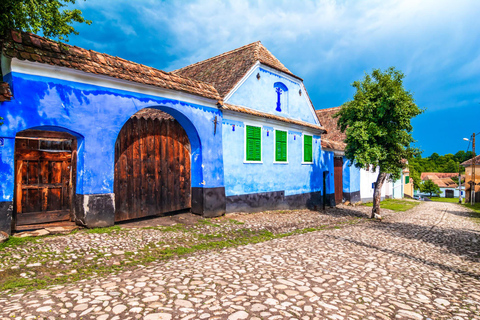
{"x":419,"y":264}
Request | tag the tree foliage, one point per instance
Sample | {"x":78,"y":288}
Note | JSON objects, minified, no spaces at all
{"x":50,"y":17}
{"x":377,"y":125}
{"x":437,"y":163}
{"x":428,"y":186}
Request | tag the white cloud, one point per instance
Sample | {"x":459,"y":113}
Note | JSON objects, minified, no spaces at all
{"x":328,"y":43}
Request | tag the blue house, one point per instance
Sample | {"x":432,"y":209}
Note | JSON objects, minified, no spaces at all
{"x":93,"y":139}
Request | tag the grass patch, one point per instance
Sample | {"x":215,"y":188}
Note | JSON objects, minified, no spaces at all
{"x":107,"y":230}
{"x":14,"y":241}
{"x":395,"y":204}
{"x":438,"y":199}
{"x":476,"y":211}
{"x":233,"y":221}
{"x":207,"y":222}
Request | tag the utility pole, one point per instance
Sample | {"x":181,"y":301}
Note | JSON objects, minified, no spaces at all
{"x":473,"y":172}
{"x":459,"y":185}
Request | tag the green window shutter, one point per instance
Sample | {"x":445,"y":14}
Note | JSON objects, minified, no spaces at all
{"x":307,"y":148}
{"x":280,"y":146}
{"x":407,"y":179}
{"x":254,"y":143}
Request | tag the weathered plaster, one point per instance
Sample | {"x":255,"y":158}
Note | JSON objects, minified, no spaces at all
{"x":95,"y":115}
{"x":260,"y":94}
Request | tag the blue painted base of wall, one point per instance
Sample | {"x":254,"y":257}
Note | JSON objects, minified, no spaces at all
{"x":254,"y":202}
{"x":95,"y":210}
{"x":351,"y":196}
{"x":208,"y":202}
{"x":6,"y":209}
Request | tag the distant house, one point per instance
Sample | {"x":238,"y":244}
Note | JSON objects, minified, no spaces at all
{"x":469,"y":178}
{"x":351,"y":183}
{"x":448,"y":187}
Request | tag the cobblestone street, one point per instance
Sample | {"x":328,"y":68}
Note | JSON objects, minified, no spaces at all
{"x":419,"y":264}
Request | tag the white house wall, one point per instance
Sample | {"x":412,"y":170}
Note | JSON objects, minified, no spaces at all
{"x":367,"y":180}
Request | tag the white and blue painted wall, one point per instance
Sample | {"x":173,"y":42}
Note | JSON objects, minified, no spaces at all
{"x":253,"y":186}
{"x":94,"y":109}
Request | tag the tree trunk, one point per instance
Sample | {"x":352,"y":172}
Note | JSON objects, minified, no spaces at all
{"x":377,"y":195}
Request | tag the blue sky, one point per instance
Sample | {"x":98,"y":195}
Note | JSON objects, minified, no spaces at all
{"x":328,"y":43}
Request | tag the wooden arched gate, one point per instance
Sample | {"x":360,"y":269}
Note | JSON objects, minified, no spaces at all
{"x":152,"y":166}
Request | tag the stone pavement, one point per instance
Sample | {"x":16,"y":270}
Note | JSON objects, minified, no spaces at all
{"x":420,"y":264}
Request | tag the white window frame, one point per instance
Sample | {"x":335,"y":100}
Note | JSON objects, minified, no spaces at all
{"x":245,"y":142}
{"x":275,"y":146}
{"x":303,"y":148}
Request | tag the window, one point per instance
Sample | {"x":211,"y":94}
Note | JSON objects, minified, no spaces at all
{"x":307,"y":149}
{"x":253,"y":143}
{"x":407,"y":179}
{"x":280,"y":146}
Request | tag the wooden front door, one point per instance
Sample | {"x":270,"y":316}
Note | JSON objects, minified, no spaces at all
{"x":338,"y":176}
{"x":44,"y":178}
{"x":152,"y":167}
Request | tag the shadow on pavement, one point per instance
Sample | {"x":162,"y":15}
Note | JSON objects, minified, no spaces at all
{"x":460,"y":242}
{"x":409,"y":256}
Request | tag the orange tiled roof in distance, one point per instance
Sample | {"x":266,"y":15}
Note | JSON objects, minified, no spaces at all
{"x":438,"y":175}
{"x":27,"y":46}
{"x":227,"y":69}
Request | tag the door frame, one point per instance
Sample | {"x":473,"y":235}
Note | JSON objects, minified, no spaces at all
{"x":46,"y":135}
{"x":335,"y":161}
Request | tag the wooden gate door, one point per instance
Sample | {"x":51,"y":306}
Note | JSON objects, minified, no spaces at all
{"x":338,"y":177}
{"x":152,"y":167}
{"x":44,"y":178}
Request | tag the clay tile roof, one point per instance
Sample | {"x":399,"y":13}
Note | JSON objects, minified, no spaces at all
{"x":231,"y":107}
{"x":329,"y":144}
{"x":5,"y":92}
{"x":27,"y":46}
{"x":445,"y":183}
{"x":470,"y":161}
{"x":227,"y":69}
{"x":437,"y":175}
{"x":325,"y":116}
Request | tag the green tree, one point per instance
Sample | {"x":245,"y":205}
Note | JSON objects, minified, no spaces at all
{"x":377,"y":126}
{"x":47,"y":16}
{"x":434,"y":156}
{"x":451,"y":166}
{"x":428,"y":186}
{"x":415,"y":176}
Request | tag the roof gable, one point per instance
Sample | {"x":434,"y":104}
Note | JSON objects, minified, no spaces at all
{"x":27,"y":46}
{"x":227,"y":69}
{"x":268,"y":90}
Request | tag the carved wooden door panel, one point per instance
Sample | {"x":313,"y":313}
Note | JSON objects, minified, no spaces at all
{"x":43,"y":180}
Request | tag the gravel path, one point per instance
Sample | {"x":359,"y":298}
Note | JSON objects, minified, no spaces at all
{"x":420,"y":264}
